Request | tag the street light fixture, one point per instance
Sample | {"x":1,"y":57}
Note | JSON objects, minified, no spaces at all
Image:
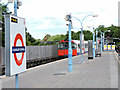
{"x":82,"y":32}
{"x":95,"y":15}
{"x":17,"y":3}
{"x":11,"y":1}
{"x":104,"y":35}
{"x":102,"y":39}
{"x":70,"y":64}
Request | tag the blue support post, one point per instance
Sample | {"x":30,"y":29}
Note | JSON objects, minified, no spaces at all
{"x":81,"y":44}
{"x":15,"y":13}
{"x":16,"y":81}
{"x":93,"y":44}
{"x":96,"y":39}
{"x":101,"y":42}
{"x":15,"y":8}
{"x":70,"y":63}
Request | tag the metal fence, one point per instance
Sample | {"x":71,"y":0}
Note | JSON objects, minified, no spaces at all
{"x":35,"y":52}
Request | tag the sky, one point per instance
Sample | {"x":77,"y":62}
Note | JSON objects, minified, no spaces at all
{"x":47,"y":16}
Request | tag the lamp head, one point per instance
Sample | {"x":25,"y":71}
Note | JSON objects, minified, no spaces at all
{"x":95,"y":15}
{"x":68,"y":17}
{"x":19,"y":3}
{"x":11,"y":1}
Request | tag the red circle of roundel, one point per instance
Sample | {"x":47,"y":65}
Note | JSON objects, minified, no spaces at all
{"x":18,"y":62}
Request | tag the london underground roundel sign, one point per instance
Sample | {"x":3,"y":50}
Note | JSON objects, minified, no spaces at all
{"x":15,"y":45}
{"x":18,"y":49}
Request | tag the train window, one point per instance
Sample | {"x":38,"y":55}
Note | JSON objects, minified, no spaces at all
{"x":66,"y":45}
{"x":61,"y":45}
{"x":78,"y":45}
{"x":86,"y":45}
{"x":74,"y":46}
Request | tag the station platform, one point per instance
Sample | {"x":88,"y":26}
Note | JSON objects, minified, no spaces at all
{"x":100,"y":72}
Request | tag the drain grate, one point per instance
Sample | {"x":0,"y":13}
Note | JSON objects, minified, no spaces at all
{"x":59,"y":74}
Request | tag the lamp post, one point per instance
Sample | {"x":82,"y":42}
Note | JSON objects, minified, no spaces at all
{"x":96,"y":40}
{"x":101,"y":41}
{"x":93,"y":44}
{"x":1,"y":46}
{"x":82,"y":32}
{"x":15,"y":7}
{"x":17,"y":3}
{"x":15,"y":13}
{"x":70,"y":63}
{"x":104,"y":35}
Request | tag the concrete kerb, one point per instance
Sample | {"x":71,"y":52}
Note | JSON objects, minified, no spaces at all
{"x":117,"y":56}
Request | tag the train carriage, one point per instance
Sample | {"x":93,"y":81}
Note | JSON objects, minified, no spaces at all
{"x":64,"y":45}
{"x":63,"y":48}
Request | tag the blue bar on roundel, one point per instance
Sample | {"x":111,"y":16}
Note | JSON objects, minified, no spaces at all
{"x":18,"y":49}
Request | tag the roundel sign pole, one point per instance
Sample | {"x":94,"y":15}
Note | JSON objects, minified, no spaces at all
{"x":15,"y":46}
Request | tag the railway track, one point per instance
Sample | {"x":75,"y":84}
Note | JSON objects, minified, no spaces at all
{"x":36,"y":62}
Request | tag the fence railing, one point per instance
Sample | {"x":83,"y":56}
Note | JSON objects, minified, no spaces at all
{"x":34,"y":52}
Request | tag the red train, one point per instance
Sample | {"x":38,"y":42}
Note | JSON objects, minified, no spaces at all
{"x":63,"y":48}
{"x":64,"y":45}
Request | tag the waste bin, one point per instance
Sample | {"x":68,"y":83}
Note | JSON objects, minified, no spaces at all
{"x":98,"y":51}
{"x":90,"y":49}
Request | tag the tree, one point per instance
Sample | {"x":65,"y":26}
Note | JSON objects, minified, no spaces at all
{"x":114,"y":32}
{"x":57,"y":38}
{"x":87,"y":35}
{"x":29,"y":39}
{"x":47,"y":36}
{"x":76,"y":36}
{"x":3,"y":11}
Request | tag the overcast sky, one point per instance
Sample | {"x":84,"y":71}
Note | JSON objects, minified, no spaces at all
{"x":47,"y":16}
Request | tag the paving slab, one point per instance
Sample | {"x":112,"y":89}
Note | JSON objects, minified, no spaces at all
{"x":101,"y":72}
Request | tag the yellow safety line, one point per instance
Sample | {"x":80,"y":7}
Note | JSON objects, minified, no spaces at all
{"x":2,"y":77}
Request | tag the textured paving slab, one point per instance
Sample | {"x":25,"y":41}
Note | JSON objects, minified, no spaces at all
{"x":102,"y":72}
